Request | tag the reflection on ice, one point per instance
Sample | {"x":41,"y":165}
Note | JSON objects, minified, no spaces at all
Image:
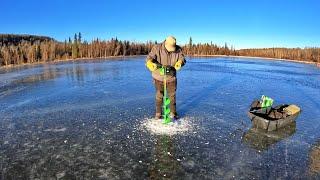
{"x":164,"y":163}
{"x":261,"y":140}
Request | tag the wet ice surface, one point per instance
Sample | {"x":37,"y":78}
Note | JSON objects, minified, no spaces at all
{"x":83,"y":120}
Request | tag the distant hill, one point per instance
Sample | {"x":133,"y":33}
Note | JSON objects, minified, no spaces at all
{"x":15,"y":39}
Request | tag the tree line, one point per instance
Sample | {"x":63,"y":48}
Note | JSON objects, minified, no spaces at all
{"x":19,"y":49}
{"x":208,"y":49}
{"x":311,"y":54}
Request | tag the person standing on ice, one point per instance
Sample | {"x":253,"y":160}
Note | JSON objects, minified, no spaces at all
{"x":169,"y":55}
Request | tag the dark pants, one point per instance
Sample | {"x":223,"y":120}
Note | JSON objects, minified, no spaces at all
{"x":171,"y":90}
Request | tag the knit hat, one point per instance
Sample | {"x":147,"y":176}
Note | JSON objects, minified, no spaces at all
{"x":170,"y":43}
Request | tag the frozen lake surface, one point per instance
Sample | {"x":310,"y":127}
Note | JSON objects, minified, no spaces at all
{"x":85,"y":119}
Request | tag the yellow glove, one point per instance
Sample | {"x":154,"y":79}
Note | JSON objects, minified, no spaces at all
{"x":151,"y":66}
{"x":178,"y":65}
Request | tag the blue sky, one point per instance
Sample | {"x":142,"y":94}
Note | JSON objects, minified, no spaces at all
{"x":244,"y":24}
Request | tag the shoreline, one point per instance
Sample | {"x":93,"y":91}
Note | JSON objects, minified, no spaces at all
{"x":257,"y":57}
{"x":116,"y":57}
{"x":66,"y":60}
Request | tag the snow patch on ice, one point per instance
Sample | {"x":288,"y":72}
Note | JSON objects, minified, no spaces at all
{"x":155,"y":126}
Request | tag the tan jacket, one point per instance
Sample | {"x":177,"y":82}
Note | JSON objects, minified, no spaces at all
{"x":161,"y":56}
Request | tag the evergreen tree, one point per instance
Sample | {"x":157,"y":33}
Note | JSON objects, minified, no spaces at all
{"x":79,"y":46}
{"x":190,"y":42}
{"x":75,"y":47}
{"x":79,"y":38}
